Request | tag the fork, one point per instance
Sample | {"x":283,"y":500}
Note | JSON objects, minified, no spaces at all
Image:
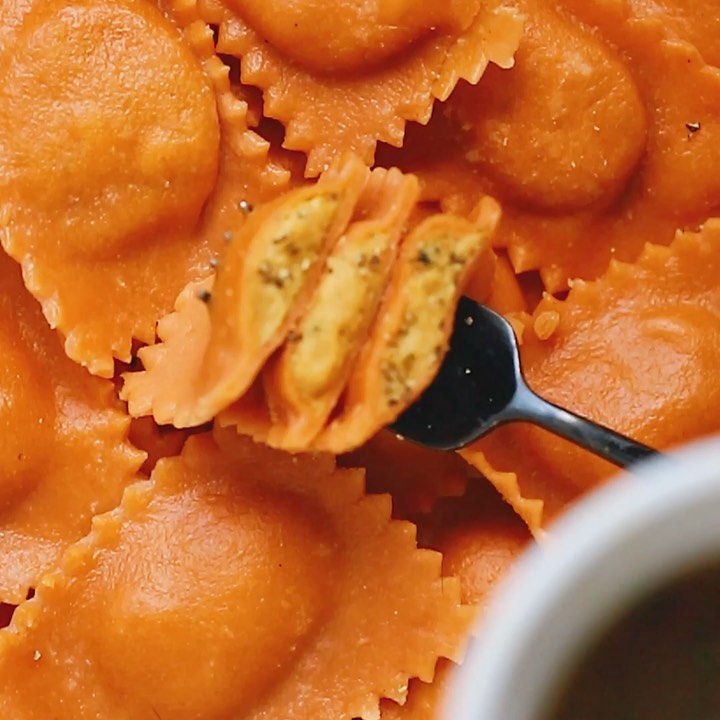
{"x":481,"y":386}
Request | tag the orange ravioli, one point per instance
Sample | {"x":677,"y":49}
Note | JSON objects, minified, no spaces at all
{"x":539,"y":134}
{"x":304,"y":383}
{"x":637,"y":350}
{"x":96,"y":162}
{"x":408,"y":339}
{"x":548,"y":134}
{"x":680,"y":91}
{"x":413,"y":327}
{"x":63,"y":454}
{"x":677,"y":89}
{"x":290,"y":563}
{"x":223,"y":331}
{"x":603,"y":137}
{"x":266,"y":279}
{"x":113,"y":186}
{"x":277,"y":284}
{"x":342,"y":75}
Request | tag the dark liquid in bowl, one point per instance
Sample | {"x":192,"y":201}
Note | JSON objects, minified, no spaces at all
{"x":661,"y":661}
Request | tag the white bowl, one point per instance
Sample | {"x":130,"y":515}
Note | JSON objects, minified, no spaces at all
{"x":633,"y":535}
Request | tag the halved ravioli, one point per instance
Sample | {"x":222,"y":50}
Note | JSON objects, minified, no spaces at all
{"x":224,"y":329}
{"x":303,"y":384}
{"x":315,"y":276}
{"x":411,"y":333}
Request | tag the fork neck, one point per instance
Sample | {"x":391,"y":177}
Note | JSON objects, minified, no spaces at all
{"x":618,"y":449}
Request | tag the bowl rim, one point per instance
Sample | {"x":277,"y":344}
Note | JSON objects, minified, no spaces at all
{"x":635,"y":533}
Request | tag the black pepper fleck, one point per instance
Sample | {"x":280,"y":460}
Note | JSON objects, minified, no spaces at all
{"x":204,"y":296}
{"x":423,"y":257}
{"x":271,"y":277}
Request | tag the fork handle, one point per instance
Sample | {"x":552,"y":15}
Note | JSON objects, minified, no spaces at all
{"x":526,"y":406}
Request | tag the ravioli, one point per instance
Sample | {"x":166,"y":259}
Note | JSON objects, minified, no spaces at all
{"x":636,"y":350}
{"x":342,"y":75}
{"x":328,"y":278}
{"x":112,"y":185}
{"x":601,"y":139}
{"x":237,"y":552}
